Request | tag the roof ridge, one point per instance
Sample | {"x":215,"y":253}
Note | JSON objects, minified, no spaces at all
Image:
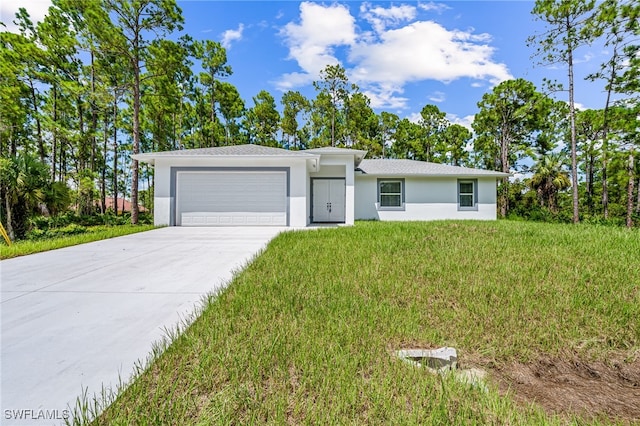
{"x":232,"y":150}
{"x":407,"y":166}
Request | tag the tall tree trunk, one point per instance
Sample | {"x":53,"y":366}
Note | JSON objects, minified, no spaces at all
{"x":638,"y":200}
{"x":631,"y":170}
{"x":136,"y":129}
{"x":173,"y":130}
{"x":504,"y":187}
{"x":82,"y":148}
{"x":55,"y":134}
{"x":34,"y":100}
{"x":62,"y":169}
{"x":572,"y":119}
{"x":61,"y":147}
{"x":103,"y":166}
{"x":213,"y":109}
{"x":9,"y":213}
{"x":2,"y":139}
{"x":94,"y":116}
{"x":115,"y":152}
{"x":178,"y":143}
{"x":333,"y":126}
{"x":152,"y":195}
{"x":590,"y":174}
{"x":86,"y":198}
{"x":605,"y":184}
{"x":149,"y":187}
{"x":605,"y":138}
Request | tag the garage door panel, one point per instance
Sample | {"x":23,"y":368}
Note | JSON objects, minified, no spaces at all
{"x":234,"y":218}
{"x":231,"y":198}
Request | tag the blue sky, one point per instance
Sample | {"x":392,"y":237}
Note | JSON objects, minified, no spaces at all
{"x":403,"y":55}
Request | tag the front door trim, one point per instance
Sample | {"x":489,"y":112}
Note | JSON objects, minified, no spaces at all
{"x":313,"y":179}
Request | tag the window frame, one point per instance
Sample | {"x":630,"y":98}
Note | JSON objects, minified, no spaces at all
{"x":379,"y":183}
{"x":473,"y":193}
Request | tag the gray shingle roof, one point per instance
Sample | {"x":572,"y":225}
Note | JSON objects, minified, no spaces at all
{"x":335,"y":150}
{"x":225,"y":151}
{"x":388,"y":167}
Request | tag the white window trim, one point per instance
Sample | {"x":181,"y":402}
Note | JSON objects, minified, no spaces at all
{"x":401,"y":207}
{"x":474,"y":194}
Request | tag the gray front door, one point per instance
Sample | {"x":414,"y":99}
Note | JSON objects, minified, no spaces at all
{"x":329,"y":200}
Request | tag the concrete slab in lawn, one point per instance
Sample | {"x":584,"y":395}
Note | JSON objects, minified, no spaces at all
{"x":80,"y":317}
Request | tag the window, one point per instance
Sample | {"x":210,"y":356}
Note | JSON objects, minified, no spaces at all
{"x":467,"y":194}
{"x":391,"y":193}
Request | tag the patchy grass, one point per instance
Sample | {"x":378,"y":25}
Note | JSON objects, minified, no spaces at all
{"x":75,"y":235}
{"x":305,"y":334}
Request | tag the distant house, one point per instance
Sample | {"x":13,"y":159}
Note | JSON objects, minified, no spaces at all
{"x":124,"y":205}
{"x":246,"y":185}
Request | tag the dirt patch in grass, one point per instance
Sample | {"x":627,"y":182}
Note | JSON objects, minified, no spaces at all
{"x":574,"y":387}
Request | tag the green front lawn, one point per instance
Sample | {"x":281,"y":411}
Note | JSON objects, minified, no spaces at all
{"x":306,"y":334}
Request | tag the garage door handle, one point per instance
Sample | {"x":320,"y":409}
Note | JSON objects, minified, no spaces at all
{"x":329,"y":207}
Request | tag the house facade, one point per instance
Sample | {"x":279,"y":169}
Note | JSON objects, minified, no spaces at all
{"x":252,"y":185}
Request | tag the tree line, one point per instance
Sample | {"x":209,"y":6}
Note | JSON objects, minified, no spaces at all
{"x":97,"y":81}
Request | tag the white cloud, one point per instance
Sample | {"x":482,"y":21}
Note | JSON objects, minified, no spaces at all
{"x":37,"y":10}
{"x":380,"y":18}
{"x":414,"y":117}
{"x":293,"y":80}
{"x":437,"y":97}
{"x":431,"y":6}
{"x":230,"y":36}
{"x":311,"y":42}
{"x":465,"y":121}
{"x":386,"y":96}
{"x":396,"y":53}
{"x":578,"y":106}
{"x":587,"y":57}
{"x":426,"y":50}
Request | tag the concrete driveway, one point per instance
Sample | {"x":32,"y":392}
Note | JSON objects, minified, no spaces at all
{"x":81,"y":317}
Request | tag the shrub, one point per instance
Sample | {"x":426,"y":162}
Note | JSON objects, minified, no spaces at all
{"x":43,"y":234}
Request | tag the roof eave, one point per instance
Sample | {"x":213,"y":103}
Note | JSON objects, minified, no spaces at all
{"x":358,"y":154}
{"x":461,"y":175}
{"x":151,"y":159}
{"x":144,"y":158}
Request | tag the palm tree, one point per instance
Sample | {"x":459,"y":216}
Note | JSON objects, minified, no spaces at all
{"x":23,"y":181}
{"x":549,"y":178}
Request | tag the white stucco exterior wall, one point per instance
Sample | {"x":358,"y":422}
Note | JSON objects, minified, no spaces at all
{"x":425,"y":199}
{"x":298,"y":177}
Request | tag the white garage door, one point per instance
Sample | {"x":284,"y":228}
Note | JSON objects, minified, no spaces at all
{"x":238,"y":198}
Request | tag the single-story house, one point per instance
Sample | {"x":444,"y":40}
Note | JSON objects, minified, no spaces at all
{"x":257,"y":185}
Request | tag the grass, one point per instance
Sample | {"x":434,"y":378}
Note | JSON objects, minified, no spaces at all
{"x":89,"y":234}
{"x":305,"y":334}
